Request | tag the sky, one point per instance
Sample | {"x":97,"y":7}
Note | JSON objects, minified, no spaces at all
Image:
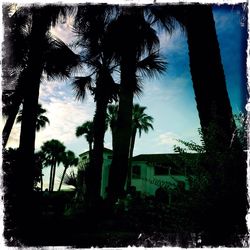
{"x":169,"y":99}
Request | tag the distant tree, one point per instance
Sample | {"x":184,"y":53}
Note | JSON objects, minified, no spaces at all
{"x":39,"y":164}
{"x":68,"y":160}
{"x":141,"y":122}
{"x":41,"y":118}
{"x":111,"y":119}
{"x":53,"y":151}
{"x":86,"y":129}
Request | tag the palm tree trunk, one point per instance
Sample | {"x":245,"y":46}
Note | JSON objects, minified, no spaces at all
{"x":131,"y":150}
{"x":41,"y":179}
{"x":122,"y":131}
{"x":11,"y":117}
{"x":50,"y":177}
{"x":208,"y":75}
{"x":215,"y":110}
{"x":64,"y":171}
{"x":53,"y":177}
{"x":96,"y":161}
{"x":28,"y":126}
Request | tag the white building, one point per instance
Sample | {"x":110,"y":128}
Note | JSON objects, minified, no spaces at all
{"x":149,"y":172}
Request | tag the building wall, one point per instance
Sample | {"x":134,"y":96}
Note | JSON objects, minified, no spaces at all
{"x":147,"y":182}
{"x":105,"y":173}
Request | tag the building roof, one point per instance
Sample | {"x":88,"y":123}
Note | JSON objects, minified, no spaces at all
{"x":175,"y":161}
{"x":107,"y":150}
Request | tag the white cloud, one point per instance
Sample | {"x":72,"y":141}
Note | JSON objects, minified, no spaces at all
{"x":168,"y":138}
{"x":65,"y":115}
{"x":63,"y":30}
{"x":172,"y":43}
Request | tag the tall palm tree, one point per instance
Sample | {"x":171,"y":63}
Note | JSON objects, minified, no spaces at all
{"x":90,"y":26}
{"x":210,"y":88}
{"x":41,"y":118}
{"x":68,"y":160}
{"x":42,"y":17}
{"x":53,"y":151}
{"x":37,"y":22}
{"x":215,"y":114}
{"x":141,"y":122}
{"x":86,"y":129}
{"x":57,"y":61}
{"x":130,"y":37}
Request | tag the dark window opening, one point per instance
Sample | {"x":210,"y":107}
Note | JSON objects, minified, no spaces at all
{"x":136,"y":172}
{"x":161,"y":170}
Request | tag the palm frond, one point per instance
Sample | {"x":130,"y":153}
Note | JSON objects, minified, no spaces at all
{"x":59,"y":59}
{"x":162,"y":16}
{"x":80,"y":85}
{"x":152,"y":65}
{"x":70,"y":179}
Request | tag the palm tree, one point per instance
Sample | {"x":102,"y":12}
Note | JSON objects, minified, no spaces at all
{"x":216,"y":117}
{"x":90,"y":26}
{"x":41,"y":19}
{"x":41,"y":118}
{"x":58,"y":59}
{"x":68,"y":160}
{"x":141,"y":122}
{"x":35,"y":24}
{"x":53,"y":151}
{"x":111,"y":119}
{"x":39,"y":163}
{"x":86,"y":129}
{"x":143,"y":40}
{"x":210,"y":88}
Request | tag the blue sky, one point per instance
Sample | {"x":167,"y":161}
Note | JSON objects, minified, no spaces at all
{"x":169,"y":99}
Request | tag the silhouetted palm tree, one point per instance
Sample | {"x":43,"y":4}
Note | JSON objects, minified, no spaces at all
{"x":39,"y":20}
{"x":39,"y":163}
{"x":90,"y":26}
{"x":53,"y":151}
{"x":216,"y":119}
{"x":86,"y":129}
{"x":41,"y":118}
{"x":68,"y":160}
{"x":111,"y":119}
{"x":42,"y":17}
{"x":130,"y":37}
{"x":57,"y":61}
{"x":141,"y":122}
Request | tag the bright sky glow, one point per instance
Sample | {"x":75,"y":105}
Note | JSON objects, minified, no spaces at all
{"x":169,"y":99}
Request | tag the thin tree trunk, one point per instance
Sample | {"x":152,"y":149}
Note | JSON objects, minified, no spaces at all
{"x":53,"y":177}
{"x":64,"y":171}
{"x":11,"y":117}
{"x":131,"y":150}
{"x":41,"y":179}
{"x":50,"y":177}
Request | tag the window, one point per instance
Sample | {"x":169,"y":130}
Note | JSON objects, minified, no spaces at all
{"x":136,"y":172}
{"x":161,"y":170}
